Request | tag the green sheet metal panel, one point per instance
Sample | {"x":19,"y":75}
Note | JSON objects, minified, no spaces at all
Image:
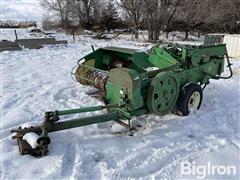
{"x":121,"y":50}
{"x":160,"y":58}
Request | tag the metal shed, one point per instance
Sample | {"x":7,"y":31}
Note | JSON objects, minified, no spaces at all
{"x":232,"y":42}
{"x":213,"y":39}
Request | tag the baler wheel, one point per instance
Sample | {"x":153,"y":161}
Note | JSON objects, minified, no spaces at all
{"x":189,"y":100}
{"x":163,"y":93}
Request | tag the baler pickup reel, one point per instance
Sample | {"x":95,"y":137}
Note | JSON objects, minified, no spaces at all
{"x":133,"y":83}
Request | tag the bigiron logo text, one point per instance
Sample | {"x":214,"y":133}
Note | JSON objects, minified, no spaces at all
{"x":201,"y":171}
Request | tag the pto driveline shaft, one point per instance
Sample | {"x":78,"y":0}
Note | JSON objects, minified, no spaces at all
{"x":79,"y":110}
{"x":85,"y":109}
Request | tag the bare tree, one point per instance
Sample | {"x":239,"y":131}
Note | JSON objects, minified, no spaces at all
{"x":190,"y":16}
{"x":158,"y":15}
{"x":134,"y":11}
{"x":72,"y":10}
{"x":207,"y":16}
{"x":154,"y":15}
{"x":61,"y":7}
{"x":225,"y":16}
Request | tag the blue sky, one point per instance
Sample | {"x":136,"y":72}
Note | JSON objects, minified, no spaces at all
{"x":21,"y":10}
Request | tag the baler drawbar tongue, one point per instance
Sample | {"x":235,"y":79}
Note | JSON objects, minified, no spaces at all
{"x":35,"y":140}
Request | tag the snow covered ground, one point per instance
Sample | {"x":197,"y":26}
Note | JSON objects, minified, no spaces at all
{"x":35,"y":81}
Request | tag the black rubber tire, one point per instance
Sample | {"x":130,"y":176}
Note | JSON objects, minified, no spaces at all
{"x":184,"y":96}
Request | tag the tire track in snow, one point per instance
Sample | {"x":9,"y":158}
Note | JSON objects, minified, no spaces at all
{"x":141,"y":156}
{"x":77,"y":171}
{"x":195,"y":151}
{"x":235,"y":140}
{"x":68,"y":160}
{"x":88,"y":164}
{"x":161,"y":161}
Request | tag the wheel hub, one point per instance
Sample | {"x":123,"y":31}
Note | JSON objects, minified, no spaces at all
{"x":194,"y":101}
{"x":163,"y":93}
